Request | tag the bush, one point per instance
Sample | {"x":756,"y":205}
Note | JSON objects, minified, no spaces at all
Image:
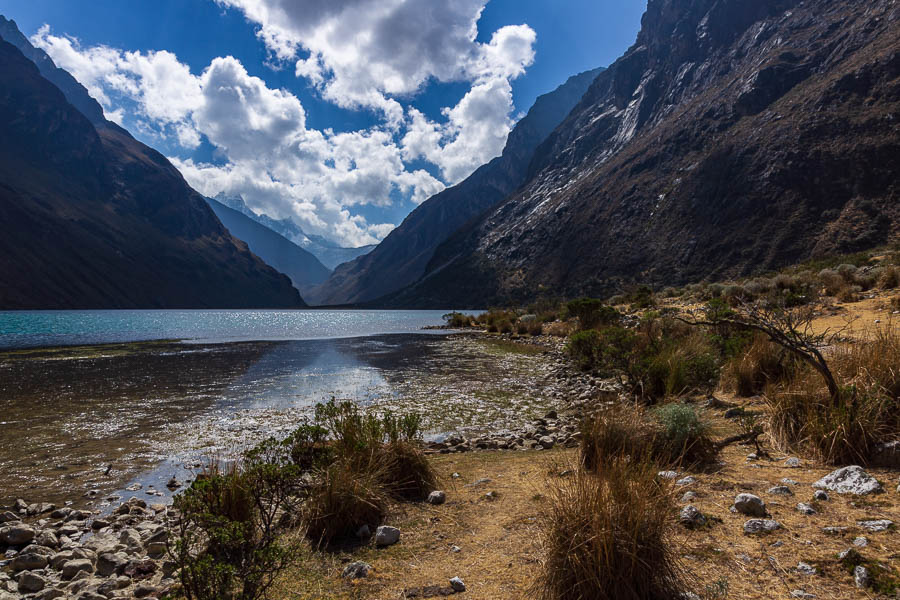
{"x":229,"y":544}
{"x":749,"y":372}
{"x":592,"y":313}
{"x":458,"y":320}
{"x":607,"y":536}
{"x":535,"y":327}
{"x":342,"y":498}
{"x":670,"y":436}
{"x":802,"y":415}
{"x":640,"y":297}
{"x":585,"y":348}
{"x":832,"y":281}
{"x":889,"y":278}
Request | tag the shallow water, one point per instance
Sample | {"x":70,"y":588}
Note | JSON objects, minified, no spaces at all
{"x":82,"y":423}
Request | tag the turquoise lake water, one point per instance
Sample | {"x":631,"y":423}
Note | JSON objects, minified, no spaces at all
{"x":30,"y":329}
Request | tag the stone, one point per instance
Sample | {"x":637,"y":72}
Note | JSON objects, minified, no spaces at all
{"x":457,"y":584}
{"x":761,"y":526}
{"x":686,"y":481}
{"x":821,"y":496}
{"x":667,"y":475}
{"x":733,"y":413}
{"x":860,"y":542}
{"x":861,"y":577}
{"x":29,"y":561}
{"x":142,"y":590}
{"x":99,"y":524}
{"x":31,"y":582}
{"x":691,"y":517}
{"x":75,"y":566}
{"x":173,"y":484}
{"x":780,"y":490}
{"x":787,"y":481}
{"x":356,"y":570}
{"x":805,"y":569}
{"x":801,"y":594}
{"x":688,"y":497}
{"x":849,"y":480}
{"x":7,"y":516}
{"x":437,"y":497}
{"x":16,"y":535}
{"x":833,"y":530}
{"x":386,"y":536}
{"x":748,"y":504}
{"x":547,"y":442}
{"x":363,"y":532}
{"x":806,"y":509}
{"x":111,"y":562}
{"x":876,"y":525}
{"x":792,"y":462}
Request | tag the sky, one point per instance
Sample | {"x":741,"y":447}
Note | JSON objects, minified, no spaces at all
{"x":342,"y":115}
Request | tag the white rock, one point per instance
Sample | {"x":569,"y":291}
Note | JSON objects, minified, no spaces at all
{"x":757,"y":526}
{"x":457,"y":584}
{"x":386,"y":536}
{"x":861,"y":577}
{"x":876,"y":525}
{"x":437,"y":497}
{"x":849,"y":480}
{"x":356,"y":570}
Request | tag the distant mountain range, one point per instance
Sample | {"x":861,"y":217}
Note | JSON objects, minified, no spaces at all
{"x":733,"y":137}
{"x":277,"y":251}
{"x":92,"y":218}
{"x":329,"y":253}
{"x":401,"y":258}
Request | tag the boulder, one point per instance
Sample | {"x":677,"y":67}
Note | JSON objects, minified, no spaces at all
{"x":29,"y":561}
{"x":849,"y":480}
{"x":31,"y":582}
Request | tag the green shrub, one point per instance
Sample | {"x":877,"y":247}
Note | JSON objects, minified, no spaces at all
{"x":229,"y":544}
{"x":592,"y":313}
{"x":640,"y":297}
{"x":684,"y":434}
{"x":585,"y":349}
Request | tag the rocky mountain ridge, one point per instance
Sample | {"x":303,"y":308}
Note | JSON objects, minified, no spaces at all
{"x":733,"y":137}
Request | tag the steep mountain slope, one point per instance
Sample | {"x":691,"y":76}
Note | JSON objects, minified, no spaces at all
{"x":328,"y":253}
{"x":91,"y":218}
{"x":303,"y":268}
{"x":401,"y":258}
{"x":733,"y":137}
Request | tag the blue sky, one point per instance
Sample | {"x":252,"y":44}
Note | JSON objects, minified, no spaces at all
{"x":340,"y":114}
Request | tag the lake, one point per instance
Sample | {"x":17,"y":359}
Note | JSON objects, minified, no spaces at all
{"x":92,"y":402}
{"x":29,"y":329}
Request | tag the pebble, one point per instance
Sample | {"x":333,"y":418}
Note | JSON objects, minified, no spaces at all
{"x":691,"y":517}
{"x":861,"y":577}
{"x":860,"y":542}
{"x":759,"y":526}
{"x":780,"y":490}
{"x":821,"y":496}
{"x":437,"y":497}
{"x":793,"y":462}
{"x":686,"y":481}
{"x":805,"y":569}
{"x":457,"y":584}
{"x":806,"y":509}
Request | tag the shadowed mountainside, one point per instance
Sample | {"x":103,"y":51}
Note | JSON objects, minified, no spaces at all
{"x":92,"y":218}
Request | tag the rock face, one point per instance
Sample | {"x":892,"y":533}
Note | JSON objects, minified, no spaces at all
{"x":732,"y":137}
{"x":105,"y":220}
{"x":401,"y":258}
{"x":849,"y":480}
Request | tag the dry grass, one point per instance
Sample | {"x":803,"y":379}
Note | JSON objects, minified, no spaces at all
{"x":405,"y":472}
{"x":668,"y":436}
{"x":607,"y":536}
{"x":342,"y":499}
{"x":761,"y":364}
{"x":846,"y":429}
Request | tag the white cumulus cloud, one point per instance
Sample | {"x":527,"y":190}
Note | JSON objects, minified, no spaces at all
{"x":359,"y":54}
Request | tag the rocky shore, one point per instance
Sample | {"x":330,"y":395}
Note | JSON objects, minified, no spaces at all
{"x":51,"y":551}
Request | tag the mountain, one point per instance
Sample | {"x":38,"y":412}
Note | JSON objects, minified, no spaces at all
{"x":303,"y":268}
{"x":92,"y":218}
{"x":733,"y":137}
{"x":329,"y":253}
{"x":400,"y":259}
